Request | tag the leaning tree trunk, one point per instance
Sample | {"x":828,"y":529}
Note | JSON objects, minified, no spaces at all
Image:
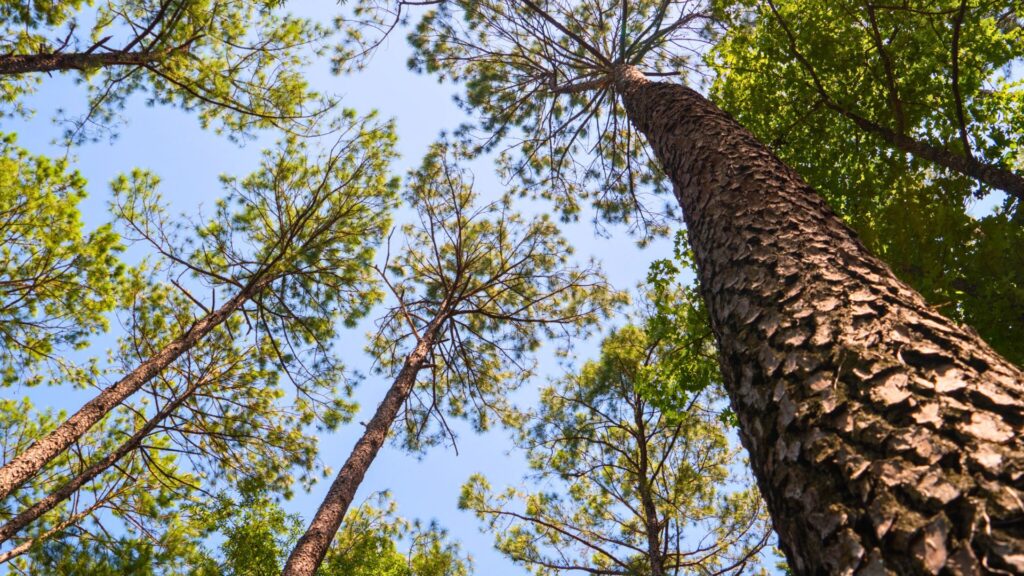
{"x":71,"y":487}
{"x":885,"y":438}
{"x":26,"y":464}
{"x":16,"y":64}
{"x":310,"y":550}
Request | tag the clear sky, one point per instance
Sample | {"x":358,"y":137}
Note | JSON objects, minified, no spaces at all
{"x":188,"y":160}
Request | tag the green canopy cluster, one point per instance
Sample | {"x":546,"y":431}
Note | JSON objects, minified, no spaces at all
{"x":228,"y":328}
{"x":778,"y":65}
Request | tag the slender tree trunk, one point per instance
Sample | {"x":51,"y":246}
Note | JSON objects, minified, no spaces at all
{"x":25,"y":465}
{"x":51,"y":500}
{"x":643,"y":483}
{"x":54,"y":530}
{"x":885,"y":438}
{"x":310,"y":550}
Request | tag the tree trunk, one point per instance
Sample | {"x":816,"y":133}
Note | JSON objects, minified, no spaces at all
{"x":42,"y":451}
{"x":885,"y":438}
{"x":310,"y":550}
{"x":51,"y":500}
{"x":652,"y":524}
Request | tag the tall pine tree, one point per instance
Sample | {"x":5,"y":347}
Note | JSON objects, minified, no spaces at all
{"x":883,"y":435}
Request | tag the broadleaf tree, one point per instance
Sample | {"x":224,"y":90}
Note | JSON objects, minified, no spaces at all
{"x":932,"y":80}
{"x":788,"y":71}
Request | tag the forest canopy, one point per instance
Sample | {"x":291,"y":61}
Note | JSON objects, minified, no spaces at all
{"x":605,"y":287}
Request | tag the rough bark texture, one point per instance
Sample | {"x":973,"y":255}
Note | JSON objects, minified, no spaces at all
{"x":885,"y":438}
{"x":310,"y":550}
{"x":25,"y":465}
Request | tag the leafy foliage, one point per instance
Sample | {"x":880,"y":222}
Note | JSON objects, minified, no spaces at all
{"x":123,"y":556}
{"x":677,"y":325}
{"x":237,"y":64}
{"x":373,"y":541}
{"x":57,"y":279}
{"x":498,"y":282}
{"x":938,"y":72}
{"x":634,"y":489}
{"x":254,"y":533}
{"x":893,"y":65}
{"x":129,"y":519}
{"x":631,"y":451}
{"x":369,"y":545}
{"x":304,"y":228}
{"x":301,"y":230}
{"x":540,"y":74}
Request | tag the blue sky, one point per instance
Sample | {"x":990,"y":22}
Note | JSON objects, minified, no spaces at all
{"x":170,"y":142}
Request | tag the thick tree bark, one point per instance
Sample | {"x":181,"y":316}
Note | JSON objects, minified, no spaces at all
{"x":42,"y":451}
{"x":885,"y":438}
{"x":51,"y":500}
{"x":310,"y":550}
